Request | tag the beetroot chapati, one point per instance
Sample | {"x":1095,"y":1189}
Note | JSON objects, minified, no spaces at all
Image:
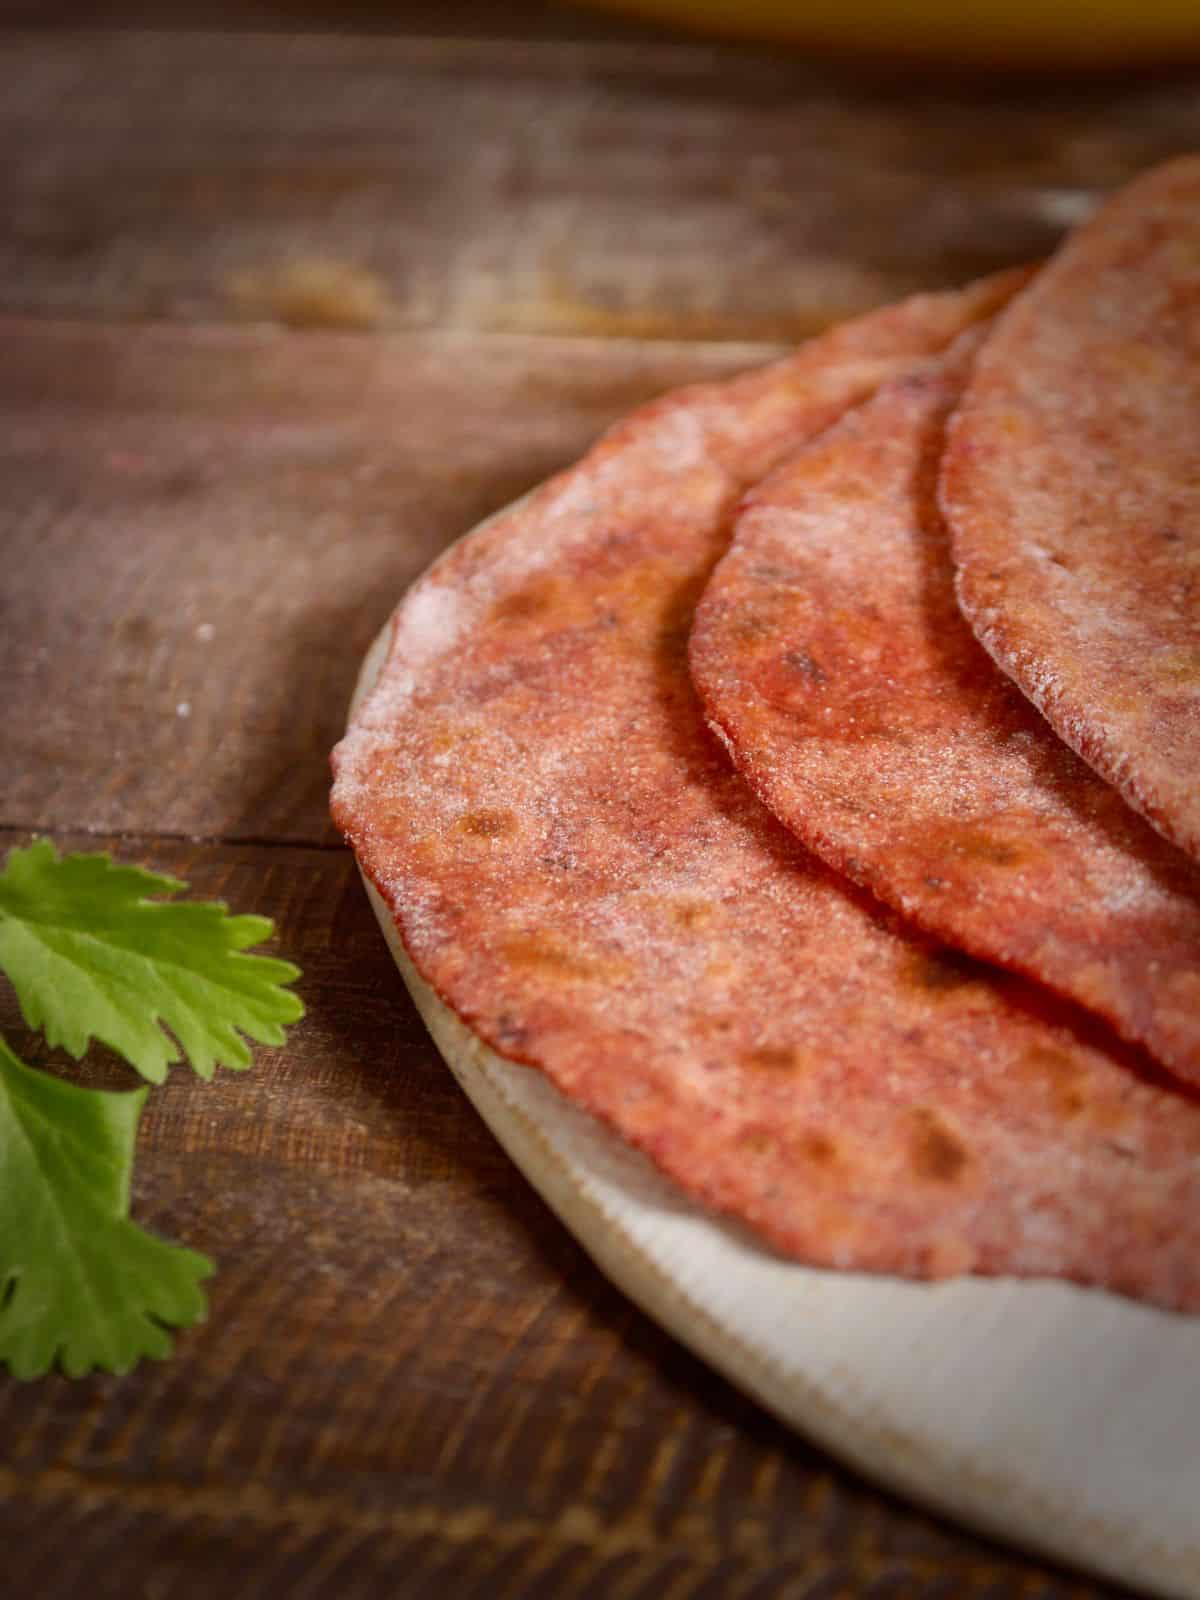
{"x":830,"y":654}
{"x":1073,"y":493}
{"x":578,"y":871}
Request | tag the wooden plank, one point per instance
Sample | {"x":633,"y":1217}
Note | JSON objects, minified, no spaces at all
{"x":412,"y":1380}
{"x":478,"y":19}
{"x":672,"y":190}
{"x":204,"y":529}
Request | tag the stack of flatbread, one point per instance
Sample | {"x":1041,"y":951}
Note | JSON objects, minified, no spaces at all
{"x":808,"y":781}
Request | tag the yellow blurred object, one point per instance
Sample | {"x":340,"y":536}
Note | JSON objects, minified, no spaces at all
{"x":1029,"y":33}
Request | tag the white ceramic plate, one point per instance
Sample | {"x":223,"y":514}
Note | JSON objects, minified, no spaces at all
{"x":1062,"y":1419}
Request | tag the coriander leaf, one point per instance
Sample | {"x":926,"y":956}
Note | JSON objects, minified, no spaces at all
{"x":79,"y":1282}
{"x":90,"y":956}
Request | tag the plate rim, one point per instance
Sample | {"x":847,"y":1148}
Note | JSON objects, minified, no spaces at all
{"x":948,"y":1488}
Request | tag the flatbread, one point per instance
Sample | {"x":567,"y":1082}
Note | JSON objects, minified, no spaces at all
{"x":830,"y":655}
{"x":1072,"y":489}
{"x":578,"y":872}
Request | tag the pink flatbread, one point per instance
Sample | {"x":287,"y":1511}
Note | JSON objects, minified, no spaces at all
{"x":1072,"y":487}
{"x":830,"y":655}
{"x":577,"y":870}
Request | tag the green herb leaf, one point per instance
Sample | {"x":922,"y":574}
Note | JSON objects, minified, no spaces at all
{"x":79,"y":1282}
{"x":91,"y":956}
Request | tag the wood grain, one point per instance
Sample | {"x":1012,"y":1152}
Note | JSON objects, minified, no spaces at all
{"x":543,"y":185}
{"x":203,"y":529}
{"x":477,"y":19}
{"x":412,"y":1378}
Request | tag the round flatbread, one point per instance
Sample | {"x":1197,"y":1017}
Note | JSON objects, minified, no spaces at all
{"x":579,"y":873}
{"x":1072,"y":490}
{"x":830,"y":655}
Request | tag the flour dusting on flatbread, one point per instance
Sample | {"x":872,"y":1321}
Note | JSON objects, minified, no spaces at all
{"x":830,"y":654}
{"x":577,"y":870}
{"x":1073,"y":494}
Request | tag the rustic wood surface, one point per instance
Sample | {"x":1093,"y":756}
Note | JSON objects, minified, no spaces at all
{"x":285,"y":314}
{"x":568,"y":186}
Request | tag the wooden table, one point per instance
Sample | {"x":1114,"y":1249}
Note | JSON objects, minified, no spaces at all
{"x":284,"y":312}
